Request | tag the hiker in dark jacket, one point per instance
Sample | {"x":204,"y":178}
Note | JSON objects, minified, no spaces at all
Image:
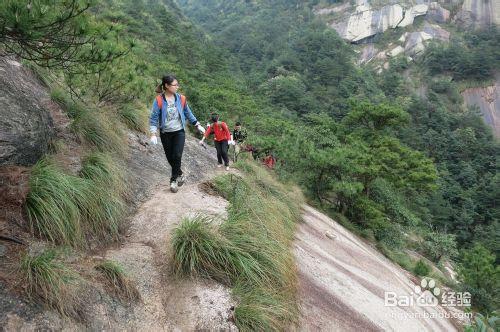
{"x":169,"y":113}
{"x":222,"y":136}
{"x":238,"y":138}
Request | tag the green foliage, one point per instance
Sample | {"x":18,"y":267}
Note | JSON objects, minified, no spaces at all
{"x":481,"y":277}
{"x":439,"y":246}
{"x":488,"y":323}
{"x":474,"y":57}
{"x":384,"y":194}
{"x":250,"y":251}
{"x":421,"y":268}
{"x":117,"y":279}
{"x":54,"y":34}
{"x":49,"y":280}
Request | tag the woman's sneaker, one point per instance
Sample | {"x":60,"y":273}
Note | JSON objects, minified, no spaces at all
{"x":180,"y":180}
{"x":173,"y":186}
{"x":219,"y":165}
{"x":227,"y":168}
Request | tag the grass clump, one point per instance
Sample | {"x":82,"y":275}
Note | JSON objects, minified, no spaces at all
{"x":134,"y":117}
{"x":251,"y":251}
{"x":99,"y":130}
{"x":51,"y":205}
{"x":421,"y":268}
{"x":68,"y":209}
{"x":104,"y":210}
{"x":200,"y":250}
{"x":119,"y":282}
{"x":49,"y":281}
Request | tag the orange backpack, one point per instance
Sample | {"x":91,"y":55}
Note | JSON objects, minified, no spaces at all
{"x":159,"y":100}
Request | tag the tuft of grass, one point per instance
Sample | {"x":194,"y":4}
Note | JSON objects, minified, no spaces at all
{"x":102,"y":169}
{"x":68,"y":209}
{"x":104,"y":210}
{"x":200,"y":250}
{"x":421,"y":268}
{"x":63,"y":99}
{"x":251,"y":251}
{"x":119,"y":282}
{"x":51,"y":206}
{"x":99,"y":130}
{"x":134,"y":117}
{"x":49,"y":281}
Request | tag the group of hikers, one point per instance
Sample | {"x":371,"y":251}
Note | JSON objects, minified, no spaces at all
{"x":169,"y":114}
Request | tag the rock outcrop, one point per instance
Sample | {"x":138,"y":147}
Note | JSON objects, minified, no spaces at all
{"x":479,"y":13}
{"x":437,"y":13}
{"x":488,"y":101}
{"x":25,"y":123}
{"x":410,"y":14}
{"x":365,"y":22}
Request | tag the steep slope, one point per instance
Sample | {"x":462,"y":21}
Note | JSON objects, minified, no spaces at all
{"x":343,"y":280}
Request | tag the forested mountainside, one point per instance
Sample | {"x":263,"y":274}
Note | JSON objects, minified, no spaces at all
{"x":372,"y":125}
{"x":387,"y":140}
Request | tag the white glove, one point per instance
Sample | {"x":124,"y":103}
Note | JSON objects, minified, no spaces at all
{"x":200,"y":128}
{"x":201,"y":142}
{"x":153,"y":140}
{"x":231,"y":142}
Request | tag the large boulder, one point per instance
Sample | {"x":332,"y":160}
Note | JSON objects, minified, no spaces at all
{"x":479,"y":13}
{"x":25,"y":123}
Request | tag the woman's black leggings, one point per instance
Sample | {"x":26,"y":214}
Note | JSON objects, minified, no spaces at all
{"x":173,"y":144}
{"x":222,"y":148}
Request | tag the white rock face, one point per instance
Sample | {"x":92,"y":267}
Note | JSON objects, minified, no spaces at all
{"x":479,"y":13}
{"x":410,"y":14}
{"x":365,"y":23}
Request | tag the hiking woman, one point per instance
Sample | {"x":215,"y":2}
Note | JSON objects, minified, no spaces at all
{"x":169,"y":113}
{"x":221,"y":138}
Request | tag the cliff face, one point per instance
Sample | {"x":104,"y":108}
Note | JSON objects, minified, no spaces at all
{"x":488,"y":101}
{"x":26,"y":126}
{"x":479,"y":13}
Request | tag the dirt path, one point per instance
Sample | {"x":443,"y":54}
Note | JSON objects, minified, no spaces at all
{"x":171,"y":303}
{"x":343,"y":280}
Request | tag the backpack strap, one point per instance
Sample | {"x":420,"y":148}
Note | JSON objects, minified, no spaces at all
{"x":183,"y":101}
{"x":159,"y":101}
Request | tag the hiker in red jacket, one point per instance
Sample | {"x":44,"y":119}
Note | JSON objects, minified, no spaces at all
{"x":222,"y":137}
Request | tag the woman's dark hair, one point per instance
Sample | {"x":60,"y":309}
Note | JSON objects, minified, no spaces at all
{"x":214,"y":117}
{"x":238,"y":123}
{"x":167,"y":79}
